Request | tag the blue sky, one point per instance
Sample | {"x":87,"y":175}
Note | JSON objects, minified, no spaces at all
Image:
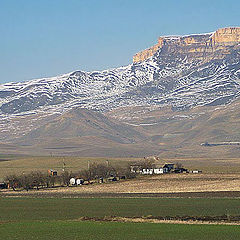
{"x":50,"y":37}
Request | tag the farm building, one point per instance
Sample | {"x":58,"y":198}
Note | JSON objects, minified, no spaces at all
{"x":158,"y":169}
{"x":76,"y":181}
{"x":155,"y":169}
{"x":196,"y":171}
{"x":79,"y":181}
{"x":180,"y":170}
{"x":52,"y":172}
{"x":112,"y":179}
{"x":147,"y":171}
{"x":3,"y":186}
{"x":72,"y":181}
{"x":150,"y":171}
{"x":155,"y":166}
{"x":168,"y":167}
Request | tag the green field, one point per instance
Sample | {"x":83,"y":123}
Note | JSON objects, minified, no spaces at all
{"x":55,"y":218}
{"x":18,"y":209}
{"x":113,"y":231}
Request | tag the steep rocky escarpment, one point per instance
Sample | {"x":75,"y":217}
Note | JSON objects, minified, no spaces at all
{"x":226,"y":36}
{"x":200,"y":46}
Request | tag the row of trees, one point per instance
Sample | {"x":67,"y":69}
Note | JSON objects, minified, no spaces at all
{"x":36,"y":180}
{"x":98,"y":170}
{"x":40,"y":180}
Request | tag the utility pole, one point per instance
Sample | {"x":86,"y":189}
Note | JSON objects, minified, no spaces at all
{"x":63,"y":166}
{"x":88,"y":165}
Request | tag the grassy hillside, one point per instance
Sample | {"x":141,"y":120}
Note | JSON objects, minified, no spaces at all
{"x":180,"y":133}
{"x":130,"y":132}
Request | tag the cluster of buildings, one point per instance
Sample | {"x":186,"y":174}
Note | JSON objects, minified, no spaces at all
{"x":166,"y":168}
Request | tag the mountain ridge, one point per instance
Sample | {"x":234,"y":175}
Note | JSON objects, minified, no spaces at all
{"x":175,"y":78}
{"x":158,"y":80}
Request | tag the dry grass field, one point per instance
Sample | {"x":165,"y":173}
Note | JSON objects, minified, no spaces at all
{"x":22,"y":164}
{"x":25,"y":164}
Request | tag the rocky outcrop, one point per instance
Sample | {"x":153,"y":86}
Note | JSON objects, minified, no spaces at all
{"x":226,"y":36}
{"x":197,"y":46}
{"x":141,"y":56}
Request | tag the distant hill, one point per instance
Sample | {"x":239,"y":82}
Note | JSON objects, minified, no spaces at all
{"x":82,"y":123}
{"x":180,"y":134}
{"x":84,"y":132}
{"x":135,"y":132}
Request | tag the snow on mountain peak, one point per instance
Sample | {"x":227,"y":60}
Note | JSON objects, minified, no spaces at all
{"x":181,"y":75}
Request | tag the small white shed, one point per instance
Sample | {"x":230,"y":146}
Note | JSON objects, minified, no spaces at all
{"x":79,"y":181}
{"x":72,"y":181}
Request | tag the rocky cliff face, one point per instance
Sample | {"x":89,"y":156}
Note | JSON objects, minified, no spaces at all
{"x":201,"y":46}
{"x":145,"y":54}
{"x":226,"y":36}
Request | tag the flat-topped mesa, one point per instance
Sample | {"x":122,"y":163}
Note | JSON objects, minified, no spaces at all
{"x":195,"y":45}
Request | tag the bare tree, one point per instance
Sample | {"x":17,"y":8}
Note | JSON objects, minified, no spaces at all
{"x":101,"y":170}
{"x":26,"y":181}
{"x":37,"y":179}
{"x":178,"y":165}
{"x":65,"y":177}
{"x":85,"y":174}
{"x":13,"y":181}
{"x":148,"y":163}
{"x":126,"y":172}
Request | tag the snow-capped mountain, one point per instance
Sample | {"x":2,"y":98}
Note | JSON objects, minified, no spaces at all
{"x":179,"y":71}
{"x":132,"y":110}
